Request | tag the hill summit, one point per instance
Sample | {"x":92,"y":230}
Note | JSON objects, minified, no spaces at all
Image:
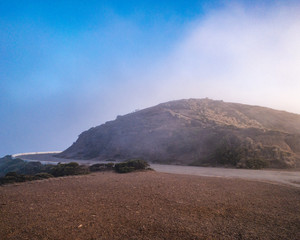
{"x":196,"y":132}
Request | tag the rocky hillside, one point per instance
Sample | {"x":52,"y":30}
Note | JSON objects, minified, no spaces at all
{"x":197,"y":132}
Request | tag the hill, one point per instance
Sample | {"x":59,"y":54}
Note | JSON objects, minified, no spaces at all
{"x":196,"y":132}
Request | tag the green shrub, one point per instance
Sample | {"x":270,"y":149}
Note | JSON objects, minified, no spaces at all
{"x":256,"y":163}
{"x":31,"y":168}
{"x":11,"y":174}
{"x":137,"y":164}
{"x":125,"y":169}
{"x":99,"y":167}
{"x":110,"y":165}
{"x":66,"y":169}
{"x":8,"y":164}
{"x":229,"y":151}
{"x":17,"y":170}
{"x":13,"y":177}
{"x":131,"y":165}
{"x":42,"y":175}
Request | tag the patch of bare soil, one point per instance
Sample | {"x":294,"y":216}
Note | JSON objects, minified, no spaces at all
{"x":148,"y":205}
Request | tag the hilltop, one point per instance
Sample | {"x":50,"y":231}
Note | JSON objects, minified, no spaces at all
{"x":196,"y":132}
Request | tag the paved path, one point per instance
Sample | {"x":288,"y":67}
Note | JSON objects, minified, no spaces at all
{"x":291,"y":178}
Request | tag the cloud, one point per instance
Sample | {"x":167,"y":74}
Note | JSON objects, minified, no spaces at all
{"x":237,"y":54}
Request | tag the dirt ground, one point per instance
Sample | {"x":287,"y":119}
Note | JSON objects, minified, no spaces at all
{"x":148,"y":205}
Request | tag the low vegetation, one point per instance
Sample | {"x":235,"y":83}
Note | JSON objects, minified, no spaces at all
{"x":232,"y":151}
{"x":13,"y":177}
{"x":123,"y":167}
{"x":68,"y":169}
{"x":100,"y":167}
{"x":16,"y":170}
{"x":131,"y":165}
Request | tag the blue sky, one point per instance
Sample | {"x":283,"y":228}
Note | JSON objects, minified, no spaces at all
{"x":66,"y":66}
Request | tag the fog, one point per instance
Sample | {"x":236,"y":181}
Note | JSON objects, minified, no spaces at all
{"x":68,"y":83}
{"x":235,"y":54}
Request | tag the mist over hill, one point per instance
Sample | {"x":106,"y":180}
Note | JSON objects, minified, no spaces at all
{"x":196,"y":132}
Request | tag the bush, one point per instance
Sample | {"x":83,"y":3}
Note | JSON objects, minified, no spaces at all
{"x":31,"y":168}
{"x":17,"y":170}
{"x":12,"y":174}
{"x":138,"y":164}
{"x":110,"y":165}
{"x":13,"y":177}
{"x":8,"y":164}
{"x":99,"y":167}
{"x":131,"y":165}
{"x":67,"y":169}
{"x":256,"y":163}
{"x":125,"y":169}
{"x":42,"y":175}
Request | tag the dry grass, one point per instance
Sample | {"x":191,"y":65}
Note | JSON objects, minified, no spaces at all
{"x":148,"y":205}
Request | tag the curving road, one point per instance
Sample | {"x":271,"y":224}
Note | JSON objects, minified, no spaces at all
{"x":285,"y":177}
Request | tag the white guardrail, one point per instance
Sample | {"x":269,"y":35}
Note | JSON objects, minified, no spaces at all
{"x":32,"y":153}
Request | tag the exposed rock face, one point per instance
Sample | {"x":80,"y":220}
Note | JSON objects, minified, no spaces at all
{"x":196,"y":132}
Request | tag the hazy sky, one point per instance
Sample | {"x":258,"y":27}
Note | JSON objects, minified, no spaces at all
{"x":66,"y":66}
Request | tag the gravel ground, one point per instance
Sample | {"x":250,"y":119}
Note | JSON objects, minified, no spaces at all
{"x":148,"y":205}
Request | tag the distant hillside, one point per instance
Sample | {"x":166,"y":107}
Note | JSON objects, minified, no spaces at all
{"x":197,"y":132}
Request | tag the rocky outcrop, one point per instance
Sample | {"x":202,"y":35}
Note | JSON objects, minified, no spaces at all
{"x":196,"y":132}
